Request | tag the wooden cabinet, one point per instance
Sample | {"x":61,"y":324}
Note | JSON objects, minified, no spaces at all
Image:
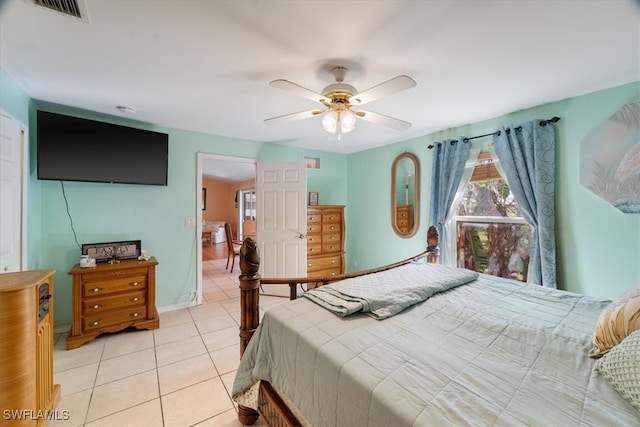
{"x":325,"y":241}
{"x":112,"y":297}
{"x":26,"y":353}
{"x":404,"y":222}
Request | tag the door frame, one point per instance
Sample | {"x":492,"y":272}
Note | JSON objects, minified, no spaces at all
{"x":201,"y":157}
{"x":21,"y":131}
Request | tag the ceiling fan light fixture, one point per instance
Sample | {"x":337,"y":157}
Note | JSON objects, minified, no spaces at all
{"x":330,"y":121}
{"x":347,"y":121}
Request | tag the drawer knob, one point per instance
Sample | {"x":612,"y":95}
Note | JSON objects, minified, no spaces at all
{"x":331,"y":238}
{"x":332,"y":227}
{"x":95,"y":290}
{"x":333,"y":261}
{"x":311,"y":250}
{"x":309,"y":265}
{"x":134,"y":299}
{"x":96,"y":306}
{"x":95,"y":323}
{"x":135,"y":283}
{"x":135,"y":315}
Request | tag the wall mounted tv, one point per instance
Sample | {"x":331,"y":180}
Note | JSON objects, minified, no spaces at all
{"x":76,"y":149}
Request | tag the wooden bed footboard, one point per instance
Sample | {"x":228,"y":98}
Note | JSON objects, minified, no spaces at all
{"x":271,"y":406}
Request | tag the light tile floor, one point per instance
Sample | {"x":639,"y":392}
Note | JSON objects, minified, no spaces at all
{"x":178,"y":375}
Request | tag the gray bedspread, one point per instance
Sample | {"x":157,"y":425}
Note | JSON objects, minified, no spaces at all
{"x":492,"y":352}
{"x":387,"y":293}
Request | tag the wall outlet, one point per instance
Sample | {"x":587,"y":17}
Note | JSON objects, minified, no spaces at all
{"x":189,"y":221}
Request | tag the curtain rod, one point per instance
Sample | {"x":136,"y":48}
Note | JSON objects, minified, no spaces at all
{"x":519,"y":128}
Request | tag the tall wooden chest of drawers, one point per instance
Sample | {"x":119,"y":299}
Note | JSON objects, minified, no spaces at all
{"x":404,"y":221}
{"x":325,"y":241}
{"x":112,"y":297}
{"x":27,"y":391}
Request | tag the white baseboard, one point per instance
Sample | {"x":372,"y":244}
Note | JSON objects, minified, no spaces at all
{"x":62,"y":329}
{"x":180,"y":306}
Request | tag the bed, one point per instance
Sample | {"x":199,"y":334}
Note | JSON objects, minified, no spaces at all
{"x":488,"y":351}
{"x":214,"y":231}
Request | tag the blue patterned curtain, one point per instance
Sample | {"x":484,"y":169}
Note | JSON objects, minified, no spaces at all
{"x":527,"y":156}
{"x":449,"y":158}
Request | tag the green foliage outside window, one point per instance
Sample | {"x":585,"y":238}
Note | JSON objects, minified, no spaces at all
{"x":495,"y":239}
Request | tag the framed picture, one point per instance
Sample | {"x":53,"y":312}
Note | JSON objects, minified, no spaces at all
{"x":103,"y":252}
{"x":204,"y":199}
{"x":313,"y":198}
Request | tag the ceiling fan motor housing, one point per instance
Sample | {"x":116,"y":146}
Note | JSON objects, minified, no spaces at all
{"x":337,"y":91}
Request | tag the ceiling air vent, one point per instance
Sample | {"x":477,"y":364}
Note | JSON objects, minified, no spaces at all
{"x":73,"y":8}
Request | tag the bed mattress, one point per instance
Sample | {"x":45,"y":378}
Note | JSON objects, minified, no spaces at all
{"x":490,"y":352}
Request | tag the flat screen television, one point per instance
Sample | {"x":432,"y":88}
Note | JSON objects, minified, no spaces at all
{"x":76,"y":149}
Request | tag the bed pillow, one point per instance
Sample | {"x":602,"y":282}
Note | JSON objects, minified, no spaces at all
{"x":621,"y":368}
{"x":616,"y":322}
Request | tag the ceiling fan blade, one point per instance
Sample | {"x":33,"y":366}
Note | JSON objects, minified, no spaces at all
{"x":381,"y":119}
{"x":294,"y":116}
{"x":389,"y":87}
{"x":299,"y":90}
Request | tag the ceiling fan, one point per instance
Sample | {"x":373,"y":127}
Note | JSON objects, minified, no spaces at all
{"x":341,"y":101}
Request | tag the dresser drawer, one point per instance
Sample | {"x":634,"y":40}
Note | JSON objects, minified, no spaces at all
{"x":314,"y":219}
{"x":329,"y":272}
{"x":314,"y":249}
{"x":330,"y":248}
{"x":120,"y":284}
{"x":331,"y":217}
{"x":331,"y":239}
{"x":115,"y":302}
{"x":331,"y":228}
{"x":313,"y":239}
{"x":101,"y":275}
{"x":314,"y":228}
{"x":323,"y":263}
{"x":101,"y":320}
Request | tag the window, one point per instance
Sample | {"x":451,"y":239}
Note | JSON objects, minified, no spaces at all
{"x":492,"y":236}
{"x":248,"y":210}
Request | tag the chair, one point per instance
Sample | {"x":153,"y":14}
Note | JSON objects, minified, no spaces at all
{"x":233,"y":246}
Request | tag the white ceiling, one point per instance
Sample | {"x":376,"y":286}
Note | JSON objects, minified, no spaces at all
{"x":205,"y":66}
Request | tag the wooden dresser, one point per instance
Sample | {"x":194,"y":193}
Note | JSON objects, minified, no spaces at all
{"x":403,"y":218}
{"x":112,"y":297}
{"x":26,"y":353}
{"x":325,"y":241}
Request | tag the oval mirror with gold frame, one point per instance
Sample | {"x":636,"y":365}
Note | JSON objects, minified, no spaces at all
{"x":405,"y":195}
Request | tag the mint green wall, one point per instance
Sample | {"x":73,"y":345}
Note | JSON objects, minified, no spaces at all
{"x":599,"y":246}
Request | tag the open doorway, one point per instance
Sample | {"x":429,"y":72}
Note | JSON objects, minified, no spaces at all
{"x":223,"y":182}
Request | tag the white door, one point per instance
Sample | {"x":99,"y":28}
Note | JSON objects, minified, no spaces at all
{"x":12,"y":152}
{"x":281,"y":190}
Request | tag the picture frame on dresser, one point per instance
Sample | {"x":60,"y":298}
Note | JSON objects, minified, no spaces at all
{"x":103,"y":252}
{"x":313,"y":198}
